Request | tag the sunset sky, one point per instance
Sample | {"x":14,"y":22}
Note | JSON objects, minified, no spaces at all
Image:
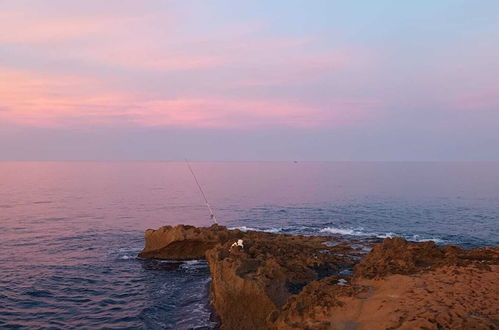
{"x":249,"y":80}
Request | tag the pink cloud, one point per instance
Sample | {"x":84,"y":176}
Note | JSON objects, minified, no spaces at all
{"x":244,"y":113}
{"x":44,"y":98}
{"x":150,"y":59}
{"x":27,"y":27}
{"x":41,"y":100}
{"x":488,"y":98}
{"x":226,"y":113}
{"x":72,"y":101}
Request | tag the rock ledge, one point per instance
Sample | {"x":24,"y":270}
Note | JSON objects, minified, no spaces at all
{"x":300,"y":282}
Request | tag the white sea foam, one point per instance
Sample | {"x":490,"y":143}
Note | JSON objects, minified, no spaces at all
{"x":343,"y":231}
{"x":416,"y":238}
{"x":385,"y":235}
{"x":359,"y":232}
{"x":193,"y":264}
{"x":127,"y":257}
{"x":124,"y":253}
{"x":267,"y":230}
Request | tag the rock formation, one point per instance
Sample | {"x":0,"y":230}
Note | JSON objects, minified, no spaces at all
{"x":397,"y":256}
{"x":402,"y":285}
{"x":249,"y":284}
{"x":185,"y":242}
{"x":298,"y":282}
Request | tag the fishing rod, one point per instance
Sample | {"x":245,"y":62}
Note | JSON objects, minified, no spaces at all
{"x":212,"y":214}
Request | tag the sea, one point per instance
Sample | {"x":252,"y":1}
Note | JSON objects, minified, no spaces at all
{"x":70,"y":232}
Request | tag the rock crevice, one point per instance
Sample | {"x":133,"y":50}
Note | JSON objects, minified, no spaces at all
{"x":299,"y":282}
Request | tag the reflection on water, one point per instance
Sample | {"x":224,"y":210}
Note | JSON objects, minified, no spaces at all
{"x":70,"y":231}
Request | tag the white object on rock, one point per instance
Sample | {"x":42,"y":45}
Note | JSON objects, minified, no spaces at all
{"x":238,"y":243}
{"x":342,"y":282}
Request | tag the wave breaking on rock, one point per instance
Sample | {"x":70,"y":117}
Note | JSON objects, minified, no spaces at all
{"x":277,"y":281}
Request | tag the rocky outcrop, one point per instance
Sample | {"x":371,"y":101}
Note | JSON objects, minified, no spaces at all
{"x":293,"y":282}
{"x":397,"y":256}
{"x":251,"y":283}
{"x":415,"y":286}
{"x":310,"y":309}
{"x":184,"y":242}
{"x":449,"y":297}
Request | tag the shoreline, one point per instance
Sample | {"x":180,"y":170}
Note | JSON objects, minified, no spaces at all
{"x":279,"y":281}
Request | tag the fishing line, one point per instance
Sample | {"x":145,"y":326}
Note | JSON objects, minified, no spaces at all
{"x":212,"y":214}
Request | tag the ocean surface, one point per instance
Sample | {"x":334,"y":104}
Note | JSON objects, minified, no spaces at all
{"x":70,"y":231}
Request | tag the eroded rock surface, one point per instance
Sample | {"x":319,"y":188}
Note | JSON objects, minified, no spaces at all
{"x":311,"y":308}
{"x":450,"y":297}
{"x":397,"y":256}
{"x":184,"y":242}
{"x":249,"y":284}
{"x":298,"y":282}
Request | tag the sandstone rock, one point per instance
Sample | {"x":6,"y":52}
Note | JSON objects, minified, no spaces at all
{"x":277,"y":281}
{"x":310,"y":309}
{"x":397,"y":256}
{"x":184,"y":242}
{"x":249,"y":284}
{"x":450,"y":297}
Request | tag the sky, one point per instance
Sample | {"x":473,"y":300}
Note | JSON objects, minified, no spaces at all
{"x":249,"y":80}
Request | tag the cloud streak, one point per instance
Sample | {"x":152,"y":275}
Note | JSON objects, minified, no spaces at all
{"x":223,"y":70}
{"x":225,"y":66}
{"x":75,"y":101}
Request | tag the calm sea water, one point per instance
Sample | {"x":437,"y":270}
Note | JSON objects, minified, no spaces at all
{"x":69,"y":232}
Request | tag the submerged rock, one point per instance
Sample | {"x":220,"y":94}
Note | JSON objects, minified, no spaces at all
{"x":272,"y":281}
